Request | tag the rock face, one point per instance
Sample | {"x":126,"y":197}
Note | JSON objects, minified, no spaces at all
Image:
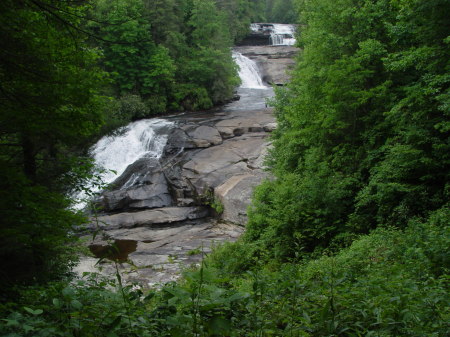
{"x":157,"y":216}
{"x":236,"y":148}
{"x":198,"y":159}
{"x":141,"y":186}
{"x":274,"y":61}
{"x":156,"y":255}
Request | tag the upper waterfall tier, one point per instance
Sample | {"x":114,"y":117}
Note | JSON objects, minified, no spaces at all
{"x":282,"y":35}
{"x":266,"y":34}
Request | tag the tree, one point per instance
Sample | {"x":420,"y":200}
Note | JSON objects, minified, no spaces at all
{"x":363,"y":129}
{"x":281,"y":11}
{"x":49,"y":107}
{"x":137,"y":64}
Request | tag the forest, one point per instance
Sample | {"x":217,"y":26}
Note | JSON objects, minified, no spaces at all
{"x":351,"y":236}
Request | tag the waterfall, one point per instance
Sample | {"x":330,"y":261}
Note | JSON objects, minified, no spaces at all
{"x":255,"y":27}
{"x":144,"y":138}
{"x":282,"y":35}
{"x":279,"y":34}
{"x":248,"y":72}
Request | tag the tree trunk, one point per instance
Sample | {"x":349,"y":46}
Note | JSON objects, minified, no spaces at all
{"x":29,"y":158}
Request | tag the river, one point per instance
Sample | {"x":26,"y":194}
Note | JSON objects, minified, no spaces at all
{"x":168,"y":173}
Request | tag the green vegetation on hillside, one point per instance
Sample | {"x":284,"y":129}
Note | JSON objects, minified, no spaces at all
{"x":281,"y":11}
{"x":389,"y":283}
{"x":171,"y":55}
{"x":363,"y":135}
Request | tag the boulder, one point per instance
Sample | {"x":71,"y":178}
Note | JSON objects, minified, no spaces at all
{"x":191,"y":136}
{"x":235,"y":195}
{"x":205,"y":136}
{"x":154,"y":195}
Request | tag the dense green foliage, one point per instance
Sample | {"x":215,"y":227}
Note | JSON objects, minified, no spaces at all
{"x":281,"y":11}
{"x":49,"y":108}
{"x":389,"y":283}
{"x":172,"y":55}
{"x":363,"y":136}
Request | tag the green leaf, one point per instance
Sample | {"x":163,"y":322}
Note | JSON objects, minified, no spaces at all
{"x":76,"y":304}
{"x":33,"y":312}
{"x":56,"y":302}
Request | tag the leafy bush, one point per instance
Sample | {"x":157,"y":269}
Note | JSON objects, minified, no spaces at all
{"x":388,"y":283}
{"x":362,"y":137}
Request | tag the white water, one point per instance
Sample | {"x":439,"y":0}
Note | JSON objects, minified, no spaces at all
{"x":282,"y":35}
{"x":144,"y":138}
{"x":255,"y":27}
{"x":140,"y":139}
{"x":248,"y":72}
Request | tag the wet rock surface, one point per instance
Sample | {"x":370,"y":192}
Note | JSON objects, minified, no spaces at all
{"x":156,"y":220}
{"x":157,"y":255}
{"x":274,"y":62}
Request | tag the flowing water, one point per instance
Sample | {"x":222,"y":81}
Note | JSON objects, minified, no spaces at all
{"x":144,"y":138}
{"x":147,"y":138}
{"x":280,"y":34}
{"x":248,"y":72}
{"x":252,"y":92}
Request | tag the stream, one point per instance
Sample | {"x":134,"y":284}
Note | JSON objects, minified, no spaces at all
{"x":167,"y":173}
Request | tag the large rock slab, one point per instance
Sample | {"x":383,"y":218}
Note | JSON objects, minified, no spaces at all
{"x":155,"y":195}
{"x":158,"y":255}
{"x":229,"y":144}
{"x":205,"y":136}
{"x":209,"y":168}
{"x":164,"y":215}
{"x":235,"y":194}
{"x":238,"y":125}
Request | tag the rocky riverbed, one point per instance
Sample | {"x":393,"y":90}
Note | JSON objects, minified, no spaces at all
{"x":189,"y":178}
{"x":159,"y":217}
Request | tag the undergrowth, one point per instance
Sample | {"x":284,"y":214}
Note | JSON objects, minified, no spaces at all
{"x":388,"y":283}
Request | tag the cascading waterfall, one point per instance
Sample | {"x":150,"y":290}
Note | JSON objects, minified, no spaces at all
{"x":248,"y":72}
{"x":282,"y":35}
{"x":144,"y":138}
{"x":147,"y":138}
